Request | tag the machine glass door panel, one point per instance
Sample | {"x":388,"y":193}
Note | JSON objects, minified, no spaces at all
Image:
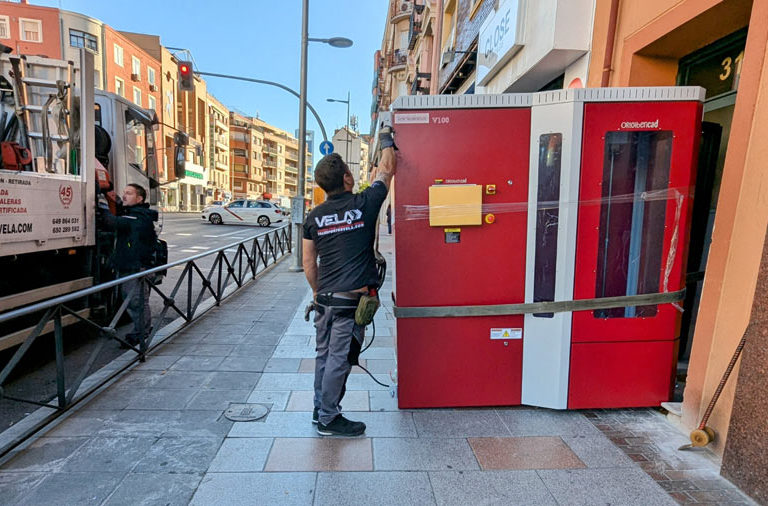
{"x":638,"y":167}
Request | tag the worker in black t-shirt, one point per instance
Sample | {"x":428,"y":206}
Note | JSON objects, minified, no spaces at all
{"x":341,"y":232}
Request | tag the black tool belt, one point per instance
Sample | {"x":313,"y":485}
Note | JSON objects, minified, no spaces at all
{"x":329,"y":299}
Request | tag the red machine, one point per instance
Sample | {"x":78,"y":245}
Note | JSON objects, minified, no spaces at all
{"x":530,"y":198}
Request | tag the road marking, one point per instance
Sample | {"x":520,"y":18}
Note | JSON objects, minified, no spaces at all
{"x":230,"y":250}
{"x":171,"y":245}
{"x":179,"y":233}
{"x":211,"y":236}
{"x":189,"y":251}
{"x":231,"y":233}
{"x":200,"y":247}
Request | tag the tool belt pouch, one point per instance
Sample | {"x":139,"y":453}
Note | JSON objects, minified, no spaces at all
{"x":366,"y":309}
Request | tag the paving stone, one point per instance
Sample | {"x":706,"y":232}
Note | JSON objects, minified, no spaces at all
{"x":241,"y":455}
{"x":364,"y":382}
{"x":183,"y":380}
{"x":157,"y":363}
{"x":320,"y":454}
{"x":541,"y":452}
{"x":112,"y":399}
{"x":385,"y":424}
{"x":224,"y":338}
{"x":282,"y":365}
{"x":74,"y":488}
{"x":286,"y":381}
{"x":213,"y":324}
{"x":192,"y":423}
{"x":390,"y":488}
{"x":176,"y":349}
{"x":459,"y":423}
{"x":213,"y":350}
{"x":147,"y":489}
{"x":381,"y":366}
{"x":490,"y":488}
{"x":15,"y":487}
{"x":241,"y":489}
{"x":46,"y":454}
{"x":197,"y":364}
{"x":303,"y":400}
{"x":158,"y":399}
{"x":597,"y":451}
{"x":138,"y":423}
{"x":296,"y":340}
{"x":218,"y":400}
{"x":138,"y":379}
{"x":243,"y":364}
{"x":423,"y":454}
{"x":108,"y":454}
{"x":253,"y":350}
{"x":83,"y":423}
{"x":382,"y":400}
{"x":179,"y":455}
{"x":379,"y":353}
{"x":189,"y":337}
{"x":277,"y":424}
{"x":546,"y":422}
{"x":227,"y":380}
{"x":625,"y":486}
{"x":283,"y":351}
{"x":278,"y":400}
{"x":308,"y":366}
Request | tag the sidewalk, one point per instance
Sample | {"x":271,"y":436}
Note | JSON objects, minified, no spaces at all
{"x":158,"y":435}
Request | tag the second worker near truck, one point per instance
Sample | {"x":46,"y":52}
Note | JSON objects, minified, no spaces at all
{"x":341,"y":233}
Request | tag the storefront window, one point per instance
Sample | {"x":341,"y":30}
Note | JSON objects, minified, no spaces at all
{"x":547,"y":217}
{"x":631,"y":238}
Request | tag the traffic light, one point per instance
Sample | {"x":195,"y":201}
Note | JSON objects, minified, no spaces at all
{"x":186,"y":76}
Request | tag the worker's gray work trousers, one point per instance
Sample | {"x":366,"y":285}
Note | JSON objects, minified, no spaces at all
{"x":336,"y":328}
{"x":138,"y":308}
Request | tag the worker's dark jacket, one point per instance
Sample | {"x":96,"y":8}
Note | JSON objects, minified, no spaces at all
{"x":135,"y":237}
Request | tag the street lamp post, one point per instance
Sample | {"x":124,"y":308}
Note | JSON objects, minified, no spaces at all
{"x":346,"y":137}
{"x":298,"y":203}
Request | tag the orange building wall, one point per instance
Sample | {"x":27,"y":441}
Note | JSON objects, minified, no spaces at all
{"x":112,"y":37}
{"x":651,"y":36}
{"x":50,"y":45}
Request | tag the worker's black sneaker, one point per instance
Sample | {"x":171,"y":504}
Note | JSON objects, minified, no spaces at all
{"x":340,"y":426}
{"x":315,"y":416}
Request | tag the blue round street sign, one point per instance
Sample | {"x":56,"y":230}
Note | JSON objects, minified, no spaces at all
{"x":326,"y":148}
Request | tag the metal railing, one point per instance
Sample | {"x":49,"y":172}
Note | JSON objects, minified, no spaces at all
{"x":224,"y":277}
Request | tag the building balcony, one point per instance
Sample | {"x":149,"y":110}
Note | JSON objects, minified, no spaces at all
{"x":235,"y":144}
{"x":267,"y":149}
{"x":398,"y":59}
{"x":414,"y":29}
{"x":270,"y":164}
{"x":292,"y":155}
{"x":401,"y":9}
{"x":291,"y":181}
{"x":291,"y":170}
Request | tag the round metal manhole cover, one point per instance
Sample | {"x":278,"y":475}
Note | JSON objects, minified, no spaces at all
{"x":245,"y":412}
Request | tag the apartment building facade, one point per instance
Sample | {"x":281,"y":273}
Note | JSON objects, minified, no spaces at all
{"x":218,"y":152}
{"x":30,"y":29}
{"x":246,"y":139}
{"x":353,"y":148}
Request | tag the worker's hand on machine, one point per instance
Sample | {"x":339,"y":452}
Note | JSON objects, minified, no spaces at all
{"x":386,"y":138}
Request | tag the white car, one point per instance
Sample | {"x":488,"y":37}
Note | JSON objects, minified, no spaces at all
{"x":244,"y":212}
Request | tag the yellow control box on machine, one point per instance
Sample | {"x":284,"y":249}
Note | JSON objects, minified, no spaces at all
{"x":455,"y":204}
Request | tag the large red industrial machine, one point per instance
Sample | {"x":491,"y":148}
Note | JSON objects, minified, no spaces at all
{"x":508,"y":205}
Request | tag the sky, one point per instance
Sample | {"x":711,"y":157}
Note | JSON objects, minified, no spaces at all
{"x":262,"y":39}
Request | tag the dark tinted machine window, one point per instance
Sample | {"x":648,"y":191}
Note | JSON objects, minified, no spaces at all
{"x":236,"y":203}
{"x":631,"y":240}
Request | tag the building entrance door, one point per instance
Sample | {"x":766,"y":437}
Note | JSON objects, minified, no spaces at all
{"x":717,"y":68}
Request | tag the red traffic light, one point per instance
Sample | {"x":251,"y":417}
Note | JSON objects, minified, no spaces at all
{"x":186,"y":79}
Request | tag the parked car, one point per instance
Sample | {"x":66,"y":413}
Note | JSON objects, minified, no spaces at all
{"x":244,"y":212}
{"x":285,"y":210}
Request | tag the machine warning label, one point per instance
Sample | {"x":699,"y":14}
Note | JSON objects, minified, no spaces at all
{"x":412,"y":118}
{"x":506,"y":333}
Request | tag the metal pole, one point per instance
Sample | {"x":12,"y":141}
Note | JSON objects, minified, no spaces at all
{"x":297,"y":256}
{"x":348,"y":136}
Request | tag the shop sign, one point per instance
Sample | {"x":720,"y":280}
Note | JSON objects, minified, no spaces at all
{"x":499,"y":40}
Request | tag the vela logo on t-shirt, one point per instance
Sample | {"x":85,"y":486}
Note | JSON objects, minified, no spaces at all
{"x":331,"y":223}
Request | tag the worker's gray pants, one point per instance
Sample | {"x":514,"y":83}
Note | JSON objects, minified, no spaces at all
{"x":138,"y":307}
{"x":336,"y":328}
